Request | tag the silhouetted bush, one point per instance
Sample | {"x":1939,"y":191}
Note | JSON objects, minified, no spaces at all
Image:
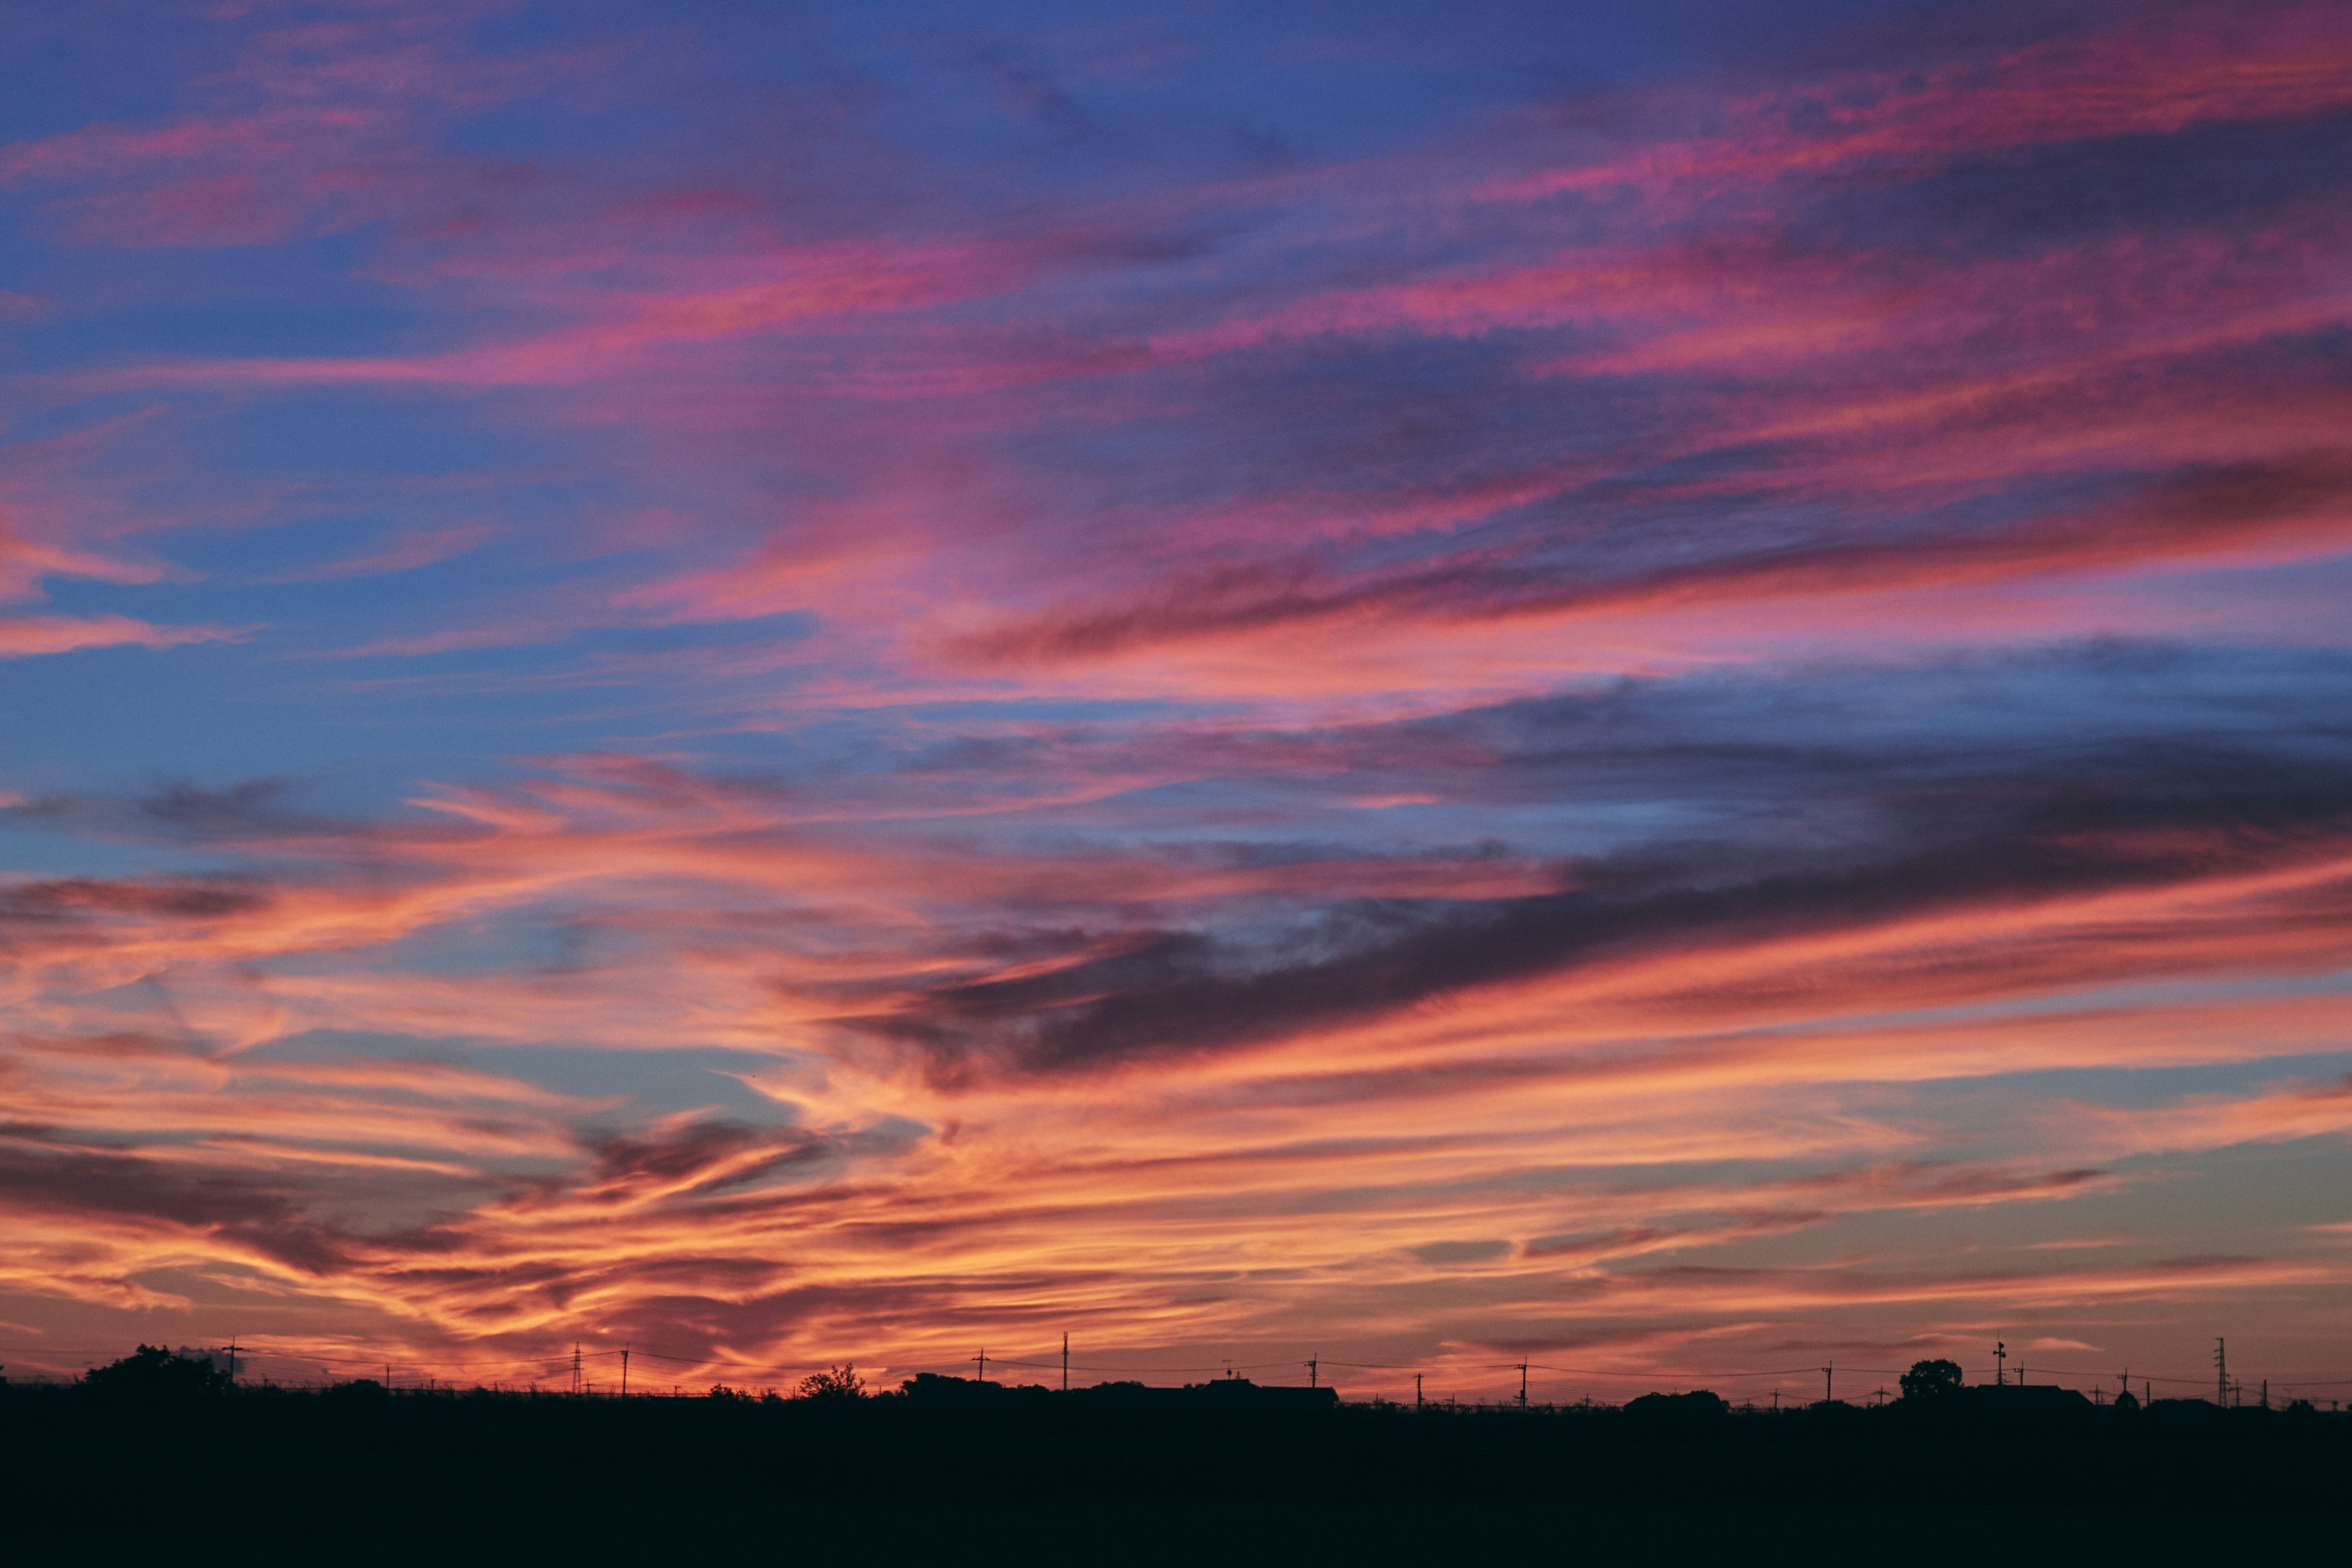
{"x":1928,"y":1381}
{"x":839,"y":1383}
{"x":153,"y":1372}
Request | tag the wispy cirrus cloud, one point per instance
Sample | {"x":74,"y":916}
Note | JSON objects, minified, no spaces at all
{"x":1055,"y":683}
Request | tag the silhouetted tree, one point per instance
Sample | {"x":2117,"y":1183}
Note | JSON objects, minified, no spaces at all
{"x":153,"y":1371}
{"x":840,"y":1382}
{"x":1932,"y":1380}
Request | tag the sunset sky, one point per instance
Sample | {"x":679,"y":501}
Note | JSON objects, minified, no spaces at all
{"x":1662,"y":689}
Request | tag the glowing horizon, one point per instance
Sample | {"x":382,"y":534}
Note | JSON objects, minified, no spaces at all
{"x":1644,"y":692}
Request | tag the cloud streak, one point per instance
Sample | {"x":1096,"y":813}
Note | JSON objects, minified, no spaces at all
{"x":809,"y":688}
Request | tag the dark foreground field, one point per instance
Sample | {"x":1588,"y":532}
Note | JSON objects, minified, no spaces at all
{"x":441,"y":1478}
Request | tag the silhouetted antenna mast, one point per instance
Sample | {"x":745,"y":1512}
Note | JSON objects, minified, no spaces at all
{"x":1416,"y":1391}
{"x":2222,"y":1372}
{"x":2000,"y":1364}
{"x":1829,"y":1382}
{"x":1065,"y":1362}
{"x":624,"y":1371}
{"x":1523,"y":1386}
{"x":575,"y":1366}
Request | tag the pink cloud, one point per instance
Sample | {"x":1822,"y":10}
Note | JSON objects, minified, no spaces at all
{"x":406,"y":553}
{"x":22,"y":636}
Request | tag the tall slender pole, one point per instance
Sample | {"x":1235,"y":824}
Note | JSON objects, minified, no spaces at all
{"x":2222,"y":1373}
{"x":981,"y":1361}
{"x":1066,"y":1361}
{"x":624,"y":1371}
{"x":1523,"y":1386}
{"x":1416,"y":1391}
{"x":1310,"y":1372}
{"x":1829,"y":1382}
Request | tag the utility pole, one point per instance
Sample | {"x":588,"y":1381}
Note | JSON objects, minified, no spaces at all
{"x":982,"y":1361}
{"x":2222,"y":1372}
{"x":624,"y":1371}
{"x":575,"y":1366}
{"x":1775,"y":1402}
{"x":1829,"y":1382}
{"x":2000,"y":1364}
{"x":1523,"y":1386}
{"x":1311,"y":1373}
{"x":1416,"y":1391}
{"x":1066,"y":1361}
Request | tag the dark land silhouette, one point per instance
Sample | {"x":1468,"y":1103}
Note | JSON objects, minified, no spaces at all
{"x":155,"y":1450}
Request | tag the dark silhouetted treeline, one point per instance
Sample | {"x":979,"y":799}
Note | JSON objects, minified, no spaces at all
{"x":1226,"y":1471}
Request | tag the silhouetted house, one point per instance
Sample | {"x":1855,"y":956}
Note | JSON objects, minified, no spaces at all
{"x":1240,"y":1391}
{"x":931,"y":1385}
{"x":1223,"y":1394}
{"x":1699,"y":1405}
{"x":2037,"y":1399}
{"x":2185,"y":1409}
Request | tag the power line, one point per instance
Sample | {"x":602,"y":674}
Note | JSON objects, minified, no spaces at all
{"x":549,"y":1364}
